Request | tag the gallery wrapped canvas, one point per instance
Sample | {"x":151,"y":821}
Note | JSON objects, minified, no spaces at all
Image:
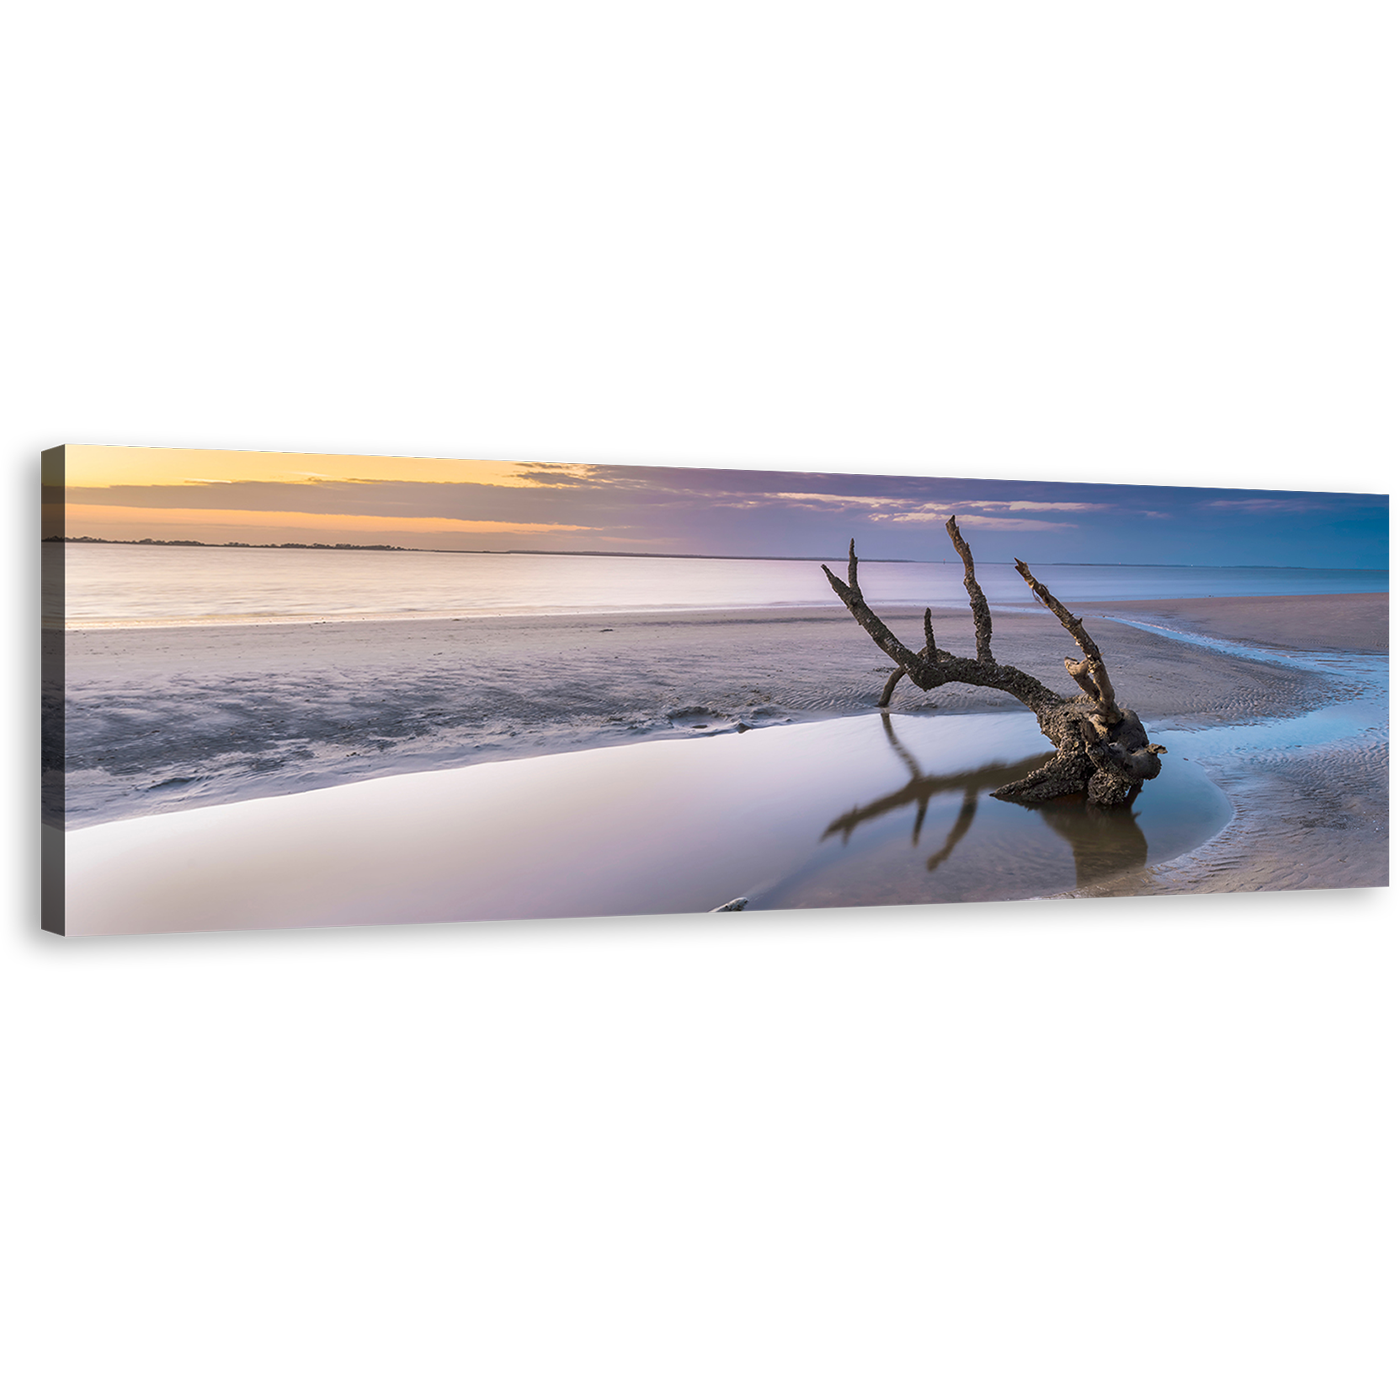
{"x":288,"y":690}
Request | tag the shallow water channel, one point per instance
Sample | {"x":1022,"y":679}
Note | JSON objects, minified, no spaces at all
{"x":875,"y":809}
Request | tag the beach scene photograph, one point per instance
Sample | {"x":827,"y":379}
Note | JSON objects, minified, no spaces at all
{"x":290,"y":690}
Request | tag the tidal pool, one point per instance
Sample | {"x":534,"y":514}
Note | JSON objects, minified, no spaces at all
{"x":876,"y":809}
{"x":939,"y":838}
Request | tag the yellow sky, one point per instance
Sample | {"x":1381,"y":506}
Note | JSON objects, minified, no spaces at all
{"x":87,"y":467}
{"x":172,"y":466}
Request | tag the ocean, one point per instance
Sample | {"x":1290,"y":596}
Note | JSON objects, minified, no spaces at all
{"x":114,"y":585}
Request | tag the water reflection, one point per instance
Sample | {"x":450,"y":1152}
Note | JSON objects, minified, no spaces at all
{"x":1104,"y":841}
{"x":989,"y":850}
{"x":664,"y":827}
{"x":922,"y":788}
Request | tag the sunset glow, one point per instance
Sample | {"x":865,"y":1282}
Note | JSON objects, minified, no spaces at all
{"x":220,"y":497}
{"x":177,"y":466}
{"x":141,"y":485}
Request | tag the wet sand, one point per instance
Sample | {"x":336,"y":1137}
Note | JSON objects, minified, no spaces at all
{"x":164,"y":719}
{"x":1308,"y":622}
{"x":1307,"y":816}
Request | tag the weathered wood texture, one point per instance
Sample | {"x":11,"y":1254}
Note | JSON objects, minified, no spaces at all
{"x":1102,"y":749}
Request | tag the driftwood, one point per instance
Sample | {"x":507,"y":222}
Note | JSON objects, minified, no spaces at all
{"x":1101,"y":749}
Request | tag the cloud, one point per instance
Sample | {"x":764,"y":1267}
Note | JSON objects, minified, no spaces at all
{"x":820,"y":500}
{"x":907,"y":510}
{"x":1264,"y":503}
{"x":425,"y":500}
{"x":582,"y":474}
{"x":1035,"y":505}
{"x":981,"y":522}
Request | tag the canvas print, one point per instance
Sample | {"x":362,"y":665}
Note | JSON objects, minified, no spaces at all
{"x":288,"y":690}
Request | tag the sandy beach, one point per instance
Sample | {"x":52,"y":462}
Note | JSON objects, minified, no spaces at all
{"x":1309,"y":622}
{"x":1308,"y":815}
{"x":164,"y":719}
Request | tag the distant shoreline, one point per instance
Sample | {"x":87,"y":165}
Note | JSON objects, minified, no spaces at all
{"x":568,"y":553}
{"x":228,"y":544}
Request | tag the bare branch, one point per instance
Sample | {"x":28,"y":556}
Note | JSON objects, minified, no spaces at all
{"x":1091,"y":675}
{"x":981,"y":613}
{"x":887,"y":694}
{"x":1080,"y":670}
{"x":928,"y":671}
{"x":929,"y":651}
{"x":1102,"y":751}
{"x":880,"y":634}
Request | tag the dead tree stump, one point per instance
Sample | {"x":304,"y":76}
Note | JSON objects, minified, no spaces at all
{"x":1101,"y":749}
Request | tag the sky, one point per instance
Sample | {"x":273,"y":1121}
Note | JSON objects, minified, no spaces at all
{"x":131,"y":493}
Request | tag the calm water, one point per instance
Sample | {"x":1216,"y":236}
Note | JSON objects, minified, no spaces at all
{"x":136,"y":585}
{"x":869,"y":810}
